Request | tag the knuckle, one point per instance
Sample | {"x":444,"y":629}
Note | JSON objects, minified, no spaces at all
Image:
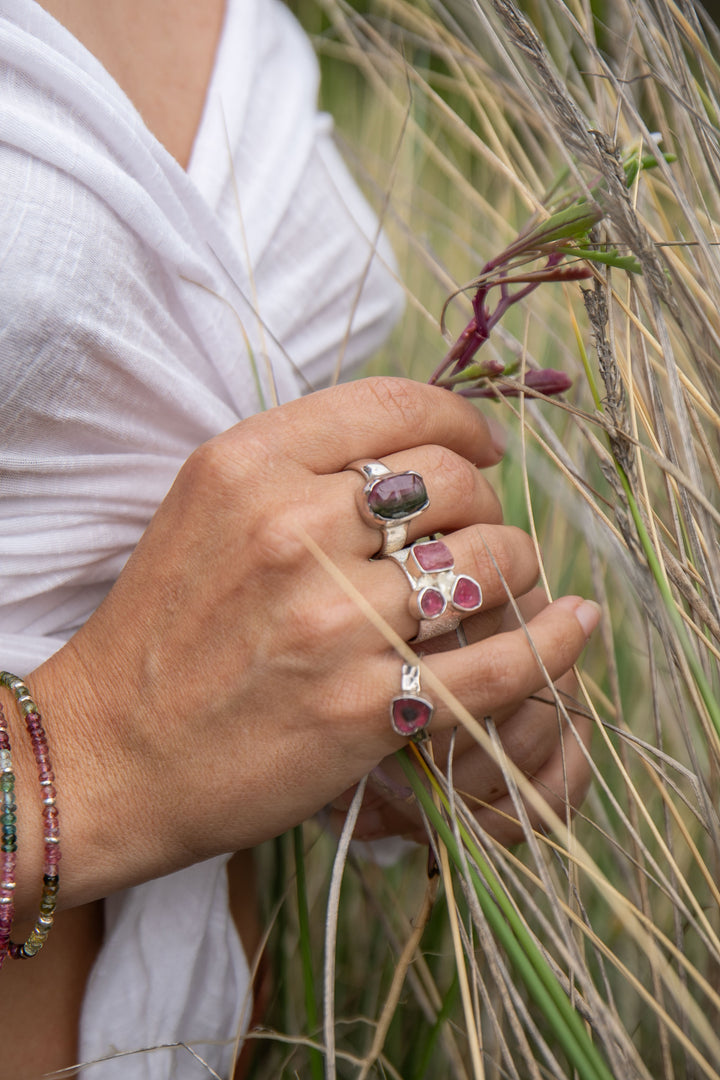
{"x":457,"y":477}
{"x":505,"y":552}
{"x":462,"y":483}
{"x":322,"y":624}
{"x":205,"y":464}
{"x":521,"y":550}
{"x":501,"y":679}
{"x":493,"y":511}
{"x":226,"y":464}
{"x":402,"y":399}
{"x":278,"y":545}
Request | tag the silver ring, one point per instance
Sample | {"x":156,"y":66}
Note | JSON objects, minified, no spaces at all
{"x":439,"y":598}
{"x":410,"y":712}
{"x":389,"y":500}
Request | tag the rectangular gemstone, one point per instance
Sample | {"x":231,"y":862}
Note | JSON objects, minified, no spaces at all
{"x":397,"y":496}
{"x":433,"y":555}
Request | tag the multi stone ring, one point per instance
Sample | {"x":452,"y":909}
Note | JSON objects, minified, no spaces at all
{"x":389,"y":500}
{"x":439,"y":597}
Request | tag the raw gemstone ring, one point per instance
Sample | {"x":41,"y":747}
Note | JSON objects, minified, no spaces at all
{"x":389,"y":500}
{"x":439,"y":596}
{"x":410,"y":713}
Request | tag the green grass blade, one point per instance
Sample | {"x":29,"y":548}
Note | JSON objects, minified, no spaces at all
{"x":526,"y":958}
{"x":311,"y":1005}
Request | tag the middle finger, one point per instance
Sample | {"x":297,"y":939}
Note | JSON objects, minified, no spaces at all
{"x":501,"y":558}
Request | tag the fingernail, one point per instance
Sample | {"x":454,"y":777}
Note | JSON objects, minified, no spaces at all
{"x":498,"y":435}
{"x":587,"y":612}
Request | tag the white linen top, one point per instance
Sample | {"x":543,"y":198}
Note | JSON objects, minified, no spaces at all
{"x":145,"y":308}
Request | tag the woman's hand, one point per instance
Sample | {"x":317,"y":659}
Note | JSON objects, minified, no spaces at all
{"x":534,"y":736}
{"x":228,"y":688}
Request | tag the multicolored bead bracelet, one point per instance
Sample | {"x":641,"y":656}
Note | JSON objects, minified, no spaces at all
{"x":8,"y":845}
{"x":51,"y":831}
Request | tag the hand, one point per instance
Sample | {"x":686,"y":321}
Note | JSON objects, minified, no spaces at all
{"x":227,"y":688}
{"x":534,"y":737}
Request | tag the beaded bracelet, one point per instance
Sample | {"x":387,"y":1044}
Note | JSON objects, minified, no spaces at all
{"x":8,"y":846}
{"x":51,"y":831}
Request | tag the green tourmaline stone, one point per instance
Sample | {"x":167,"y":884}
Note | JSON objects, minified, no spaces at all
{"x":397,"y":496}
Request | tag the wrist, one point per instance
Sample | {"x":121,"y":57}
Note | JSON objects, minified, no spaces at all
{"x":111,"y":835}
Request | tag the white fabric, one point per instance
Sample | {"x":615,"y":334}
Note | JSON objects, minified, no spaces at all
{"x":145,"y":309}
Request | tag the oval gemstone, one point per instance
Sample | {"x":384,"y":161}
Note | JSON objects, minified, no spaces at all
{"x":397,"y":496}
{"x":431,"y":603}
{"x":433,"y":555}
{"x":410,"y":714}
{"x":466,"y":594}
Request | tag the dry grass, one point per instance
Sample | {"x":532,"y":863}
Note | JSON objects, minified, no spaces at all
{"x":459,"y":117}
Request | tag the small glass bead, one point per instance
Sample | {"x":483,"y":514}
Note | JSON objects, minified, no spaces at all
{"x":50,"y":816}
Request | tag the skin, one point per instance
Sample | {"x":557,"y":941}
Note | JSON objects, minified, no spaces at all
{"x":227,"y":688}
{"x":226,"y":650}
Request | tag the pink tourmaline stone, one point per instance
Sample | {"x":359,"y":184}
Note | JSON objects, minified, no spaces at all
{"x":410,"y":715}
{"x":466,"y":594}
{"x":431,"y":603}
{"x":433,"y":555}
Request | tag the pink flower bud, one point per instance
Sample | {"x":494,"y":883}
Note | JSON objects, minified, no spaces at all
{"x":547,"y":381}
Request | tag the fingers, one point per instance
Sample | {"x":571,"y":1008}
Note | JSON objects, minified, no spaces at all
{"x":491,"y":678}
{"x":368,"y":418}
{"x":501,"y":558}
{"x":459,"y":495}
{"x":535,"y":739}
{"x":500,"y":672}
{"x":556,"y":766}
{"x":562,"y":781}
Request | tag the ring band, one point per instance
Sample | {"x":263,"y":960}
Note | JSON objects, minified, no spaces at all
{"x":439,"y":598}
{"x":410,"y":713}
{"x":389,"y":500}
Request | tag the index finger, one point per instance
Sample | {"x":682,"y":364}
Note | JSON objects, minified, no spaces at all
{"x":371,"y":417}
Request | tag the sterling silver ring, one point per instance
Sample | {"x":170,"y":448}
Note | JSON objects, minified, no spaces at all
{"x":439,"y":597}
{"x":410,"y":712}
{"x":389,"y":501}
